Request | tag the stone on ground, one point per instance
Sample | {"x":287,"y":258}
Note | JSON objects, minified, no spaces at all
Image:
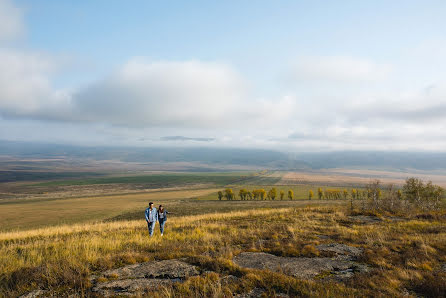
{"x":137,"y":278}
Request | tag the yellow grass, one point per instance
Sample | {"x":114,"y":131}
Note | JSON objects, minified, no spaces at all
{"x":402,"y":253}
{"x":18,"y":214}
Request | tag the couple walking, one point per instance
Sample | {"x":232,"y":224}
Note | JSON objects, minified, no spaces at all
{"x":153,"y":215}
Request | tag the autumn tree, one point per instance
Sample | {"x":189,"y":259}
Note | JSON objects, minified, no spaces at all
{"x":262,"y":193}
{"x":310,"y":194}
{"x":229,"y":194}
{"x":220,"y":195}
{"x":354,"y":193}
{"x":345,"y":193}
{"x":290,"y":194}
{"x":320,"y":193}
{"x":282,"y":194}
{"x":243,"y":193}
{"x":272,"y":194}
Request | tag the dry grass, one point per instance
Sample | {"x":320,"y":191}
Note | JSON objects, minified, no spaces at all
{"x":405,"y":255}
{"x":355,"y":177}
{"x":18,"y":214}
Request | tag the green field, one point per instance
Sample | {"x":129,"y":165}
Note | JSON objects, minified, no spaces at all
{"x":22,"y":214}
{"x":159,"y":180}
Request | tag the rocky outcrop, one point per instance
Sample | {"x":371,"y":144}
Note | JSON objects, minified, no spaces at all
{"x":341,"y":266}
{"x":341,"y":251}
{"x":138,"y":278}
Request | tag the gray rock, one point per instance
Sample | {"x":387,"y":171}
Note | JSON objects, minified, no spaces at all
{"x":228,"y":279}
{"x":323,"y":237}
{"x":254,"y":293}
{"x":136,"y":279}
{"x":365,"y":219}
{"x":34,"y":294}
{"x":298,"y":267}
{"x":340,"y":249}
{"x":173,"y":269}
{"x":129,"y":287}
{"x":258,"y":292}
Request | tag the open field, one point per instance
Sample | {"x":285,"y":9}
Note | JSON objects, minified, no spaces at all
{"x":59,"y":240}
{"x":19,"y":214}
{"x":355,"y":177}
{"x":119,"y":184}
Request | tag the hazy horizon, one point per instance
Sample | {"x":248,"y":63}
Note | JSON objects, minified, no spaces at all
{"x":296,"y":77}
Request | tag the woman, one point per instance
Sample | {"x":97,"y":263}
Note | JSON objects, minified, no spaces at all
{"x":162,"y":218}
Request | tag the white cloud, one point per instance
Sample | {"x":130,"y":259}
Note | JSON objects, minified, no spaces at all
{"x":25,"y":86}
{"x":11,"y":21}
{"x":337,"y":69}
{"x":141,"y":93}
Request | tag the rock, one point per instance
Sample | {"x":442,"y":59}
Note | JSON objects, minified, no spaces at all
{"x":34,"y":294}
{"x":258,"y":292}
{"x":173,"y":269}
{"x":254,"y":293}
{"x":396,"y":218}
{"x":341,"y":249}
{"x":138,"y":278}
{"x":365,"y":219}
{"x":297,"y":267}
{"x":323,"y":237}
{"x":228,"y":279}
{"x":129,"y":287}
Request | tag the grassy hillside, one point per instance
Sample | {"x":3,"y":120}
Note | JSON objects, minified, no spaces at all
{"x":405,"y":255}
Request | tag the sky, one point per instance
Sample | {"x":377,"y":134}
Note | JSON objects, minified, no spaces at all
{"x":285,"y":75}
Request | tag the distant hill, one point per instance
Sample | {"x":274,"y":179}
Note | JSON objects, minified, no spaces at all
{"x":232,"y":156}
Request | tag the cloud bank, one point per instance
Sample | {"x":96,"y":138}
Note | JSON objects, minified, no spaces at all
{"x":328,"y":102}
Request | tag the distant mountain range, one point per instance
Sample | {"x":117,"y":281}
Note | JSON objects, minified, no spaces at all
{"x":232,"y":156}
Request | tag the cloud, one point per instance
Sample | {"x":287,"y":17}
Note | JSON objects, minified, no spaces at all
{"x":182,"y":138}
{"x":337,"y":69}
{"x":164,"y":94}
{"x":419,"y":107}
{"x":11,"y":21}
{"x":25,"y":86}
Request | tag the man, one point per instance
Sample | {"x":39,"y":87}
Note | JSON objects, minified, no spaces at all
{"x":151,"y":218}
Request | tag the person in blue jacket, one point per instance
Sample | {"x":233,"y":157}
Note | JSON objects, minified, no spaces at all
{"x":151,"y":218}
{"x":162,"y":218}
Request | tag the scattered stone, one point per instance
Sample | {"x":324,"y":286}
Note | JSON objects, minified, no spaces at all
{"x":297,"y":267}
{"x":34,"y":294}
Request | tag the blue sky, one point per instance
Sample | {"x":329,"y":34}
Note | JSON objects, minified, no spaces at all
{"x":291,"y":75}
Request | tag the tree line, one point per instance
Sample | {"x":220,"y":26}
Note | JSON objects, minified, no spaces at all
{"x":255,"y":194}
{"x":415,"y":193}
